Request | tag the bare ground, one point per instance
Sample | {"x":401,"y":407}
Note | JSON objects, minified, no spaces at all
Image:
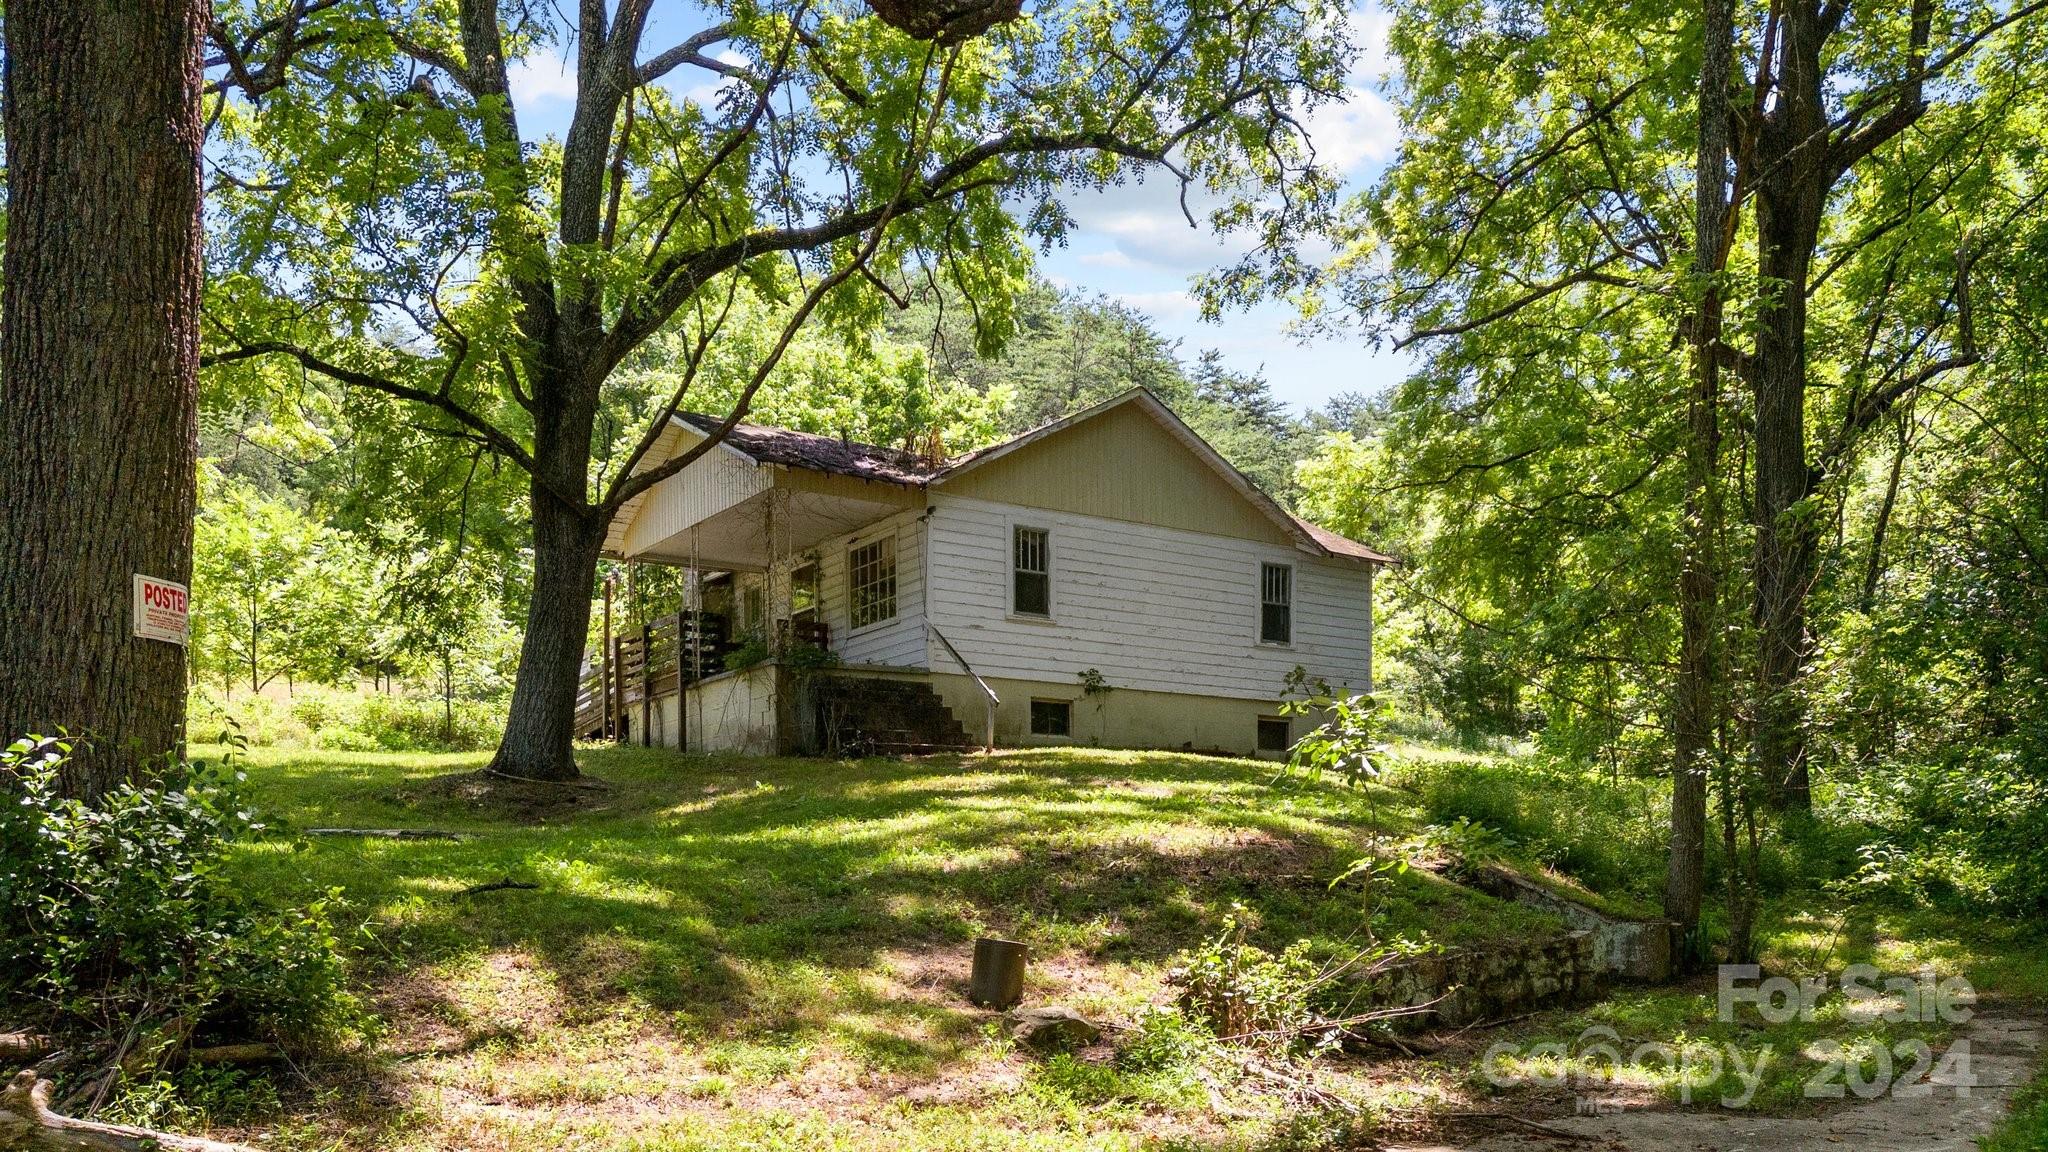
{"x":2004,"y":1049}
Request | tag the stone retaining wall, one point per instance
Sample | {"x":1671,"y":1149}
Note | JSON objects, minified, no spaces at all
{"x":1637,"y":950}
{"x":1476,"y":984}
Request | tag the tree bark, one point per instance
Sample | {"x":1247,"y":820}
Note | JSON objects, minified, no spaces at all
{"x":99,"y":365}
{"x":1698,"y":690}
{"x":26,"y":1122}
{"x":1794,"y":177}
{"x":540,"y":733}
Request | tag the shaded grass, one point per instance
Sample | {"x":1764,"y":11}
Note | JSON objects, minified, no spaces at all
{"x":719,"y":942}
{"x":2026,"y":1128}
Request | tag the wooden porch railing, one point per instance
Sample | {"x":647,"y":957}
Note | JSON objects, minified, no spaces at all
{"x":615,"y":699}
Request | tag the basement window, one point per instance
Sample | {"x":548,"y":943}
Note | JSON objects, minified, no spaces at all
{"x":1276,"y":604}
{"x":1051,"y":717}
{"x":871,"y":581}
{"x":1031,"y":572}
{"x":1274,"y":734}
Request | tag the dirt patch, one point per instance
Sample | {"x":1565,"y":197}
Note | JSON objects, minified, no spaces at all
{"x":494,"y":797}
{"x":1939,"y":1115}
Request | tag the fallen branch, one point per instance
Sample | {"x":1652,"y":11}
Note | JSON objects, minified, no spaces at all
{"x":505,"y":885}
{"x":24,"y":1047}
{"x":234,"y":1054}
{"x":26,"y":1122}
{"x":390,"y":833}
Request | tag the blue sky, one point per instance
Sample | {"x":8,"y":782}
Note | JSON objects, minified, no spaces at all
{"x":1133,"y":243}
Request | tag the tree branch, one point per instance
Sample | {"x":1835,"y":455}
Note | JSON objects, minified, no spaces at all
{"x":499,"y":441}
{"x":691,"y":52}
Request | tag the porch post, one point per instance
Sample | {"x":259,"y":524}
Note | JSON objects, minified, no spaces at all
{"x":608,"y":656}
{"x":646,"y":685}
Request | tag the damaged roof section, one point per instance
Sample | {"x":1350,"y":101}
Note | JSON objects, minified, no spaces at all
{"x":807,"y":450}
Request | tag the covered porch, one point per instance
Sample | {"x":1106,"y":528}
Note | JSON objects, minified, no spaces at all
{"x":757,"y":526}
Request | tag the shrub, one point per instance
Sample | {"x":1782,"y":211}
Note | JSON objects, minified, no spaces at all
{"x":1608,"y":834}
{"x":350,"y":720}
{"x":115,"y":918}
{"x":1239,"y":990}
{"x":338,"y":738}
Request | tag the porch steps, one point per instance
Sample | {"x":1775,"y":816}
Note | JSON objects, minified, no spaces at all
{"x":864,"y":715}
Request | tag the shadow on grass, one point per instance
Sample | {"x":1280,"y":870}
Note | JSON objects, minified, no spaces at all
{"x":721,"y":899}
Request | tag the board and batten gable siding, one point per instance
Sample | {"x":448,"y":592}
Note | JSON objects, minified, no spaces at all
{"x":898,"y":642}
{"x":1121,"y":465}
{"x":1152,"y":607}
{"x":713,"y":482}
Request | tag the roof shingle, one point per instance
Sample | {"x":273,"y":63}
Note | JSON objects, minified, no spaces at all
{"x":816,"y":453}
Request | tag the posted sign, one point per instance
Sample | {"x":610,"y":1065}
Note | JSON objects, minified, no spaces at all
{"x":161,"y":610}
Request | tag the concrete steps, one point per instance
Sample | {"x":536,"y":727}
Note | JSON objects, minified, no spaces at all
{"x":864,"y":716}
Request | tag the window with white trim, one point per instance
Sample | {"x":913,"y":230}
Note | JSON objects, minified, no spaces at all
{"x":1276,"y":604}
{"x":871,"y":581}
{"x":1030,"y":571}
{"x":1275,"y":734}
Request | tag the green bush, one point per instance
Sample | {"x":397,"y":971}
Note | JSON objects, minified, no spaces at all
{"x":256,"y":720}
{"x":115,"y":918}
{"x":350,"y":720}
{"x":338,"y":738}
{"x":1237,"y":989}
{"x":1608,"y":834}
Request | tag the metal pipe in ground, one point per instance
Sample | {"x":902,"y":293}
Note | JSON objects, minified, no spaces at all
{"x":997,"y":980}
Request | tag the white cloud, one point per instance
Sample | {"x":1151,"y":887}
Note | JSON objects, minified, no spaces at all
{"x":1369,"y":26}
{"x":1107,"y":258}
{"x":1172,"y":304}
{"x":541,"y":76}
{"x":1364,"y":128}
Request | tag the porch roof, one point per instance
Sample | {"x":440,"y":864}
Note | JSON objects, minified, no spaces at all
{"x":807,"y":450}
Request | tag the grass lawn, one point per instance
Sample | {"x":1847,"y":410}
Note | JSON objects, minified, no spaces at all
{"x":773,"y":953}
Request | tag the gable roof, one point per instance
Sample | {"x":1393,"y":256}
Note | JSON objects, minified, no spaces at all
{"x":816,"y":453}
{"x":1320,"y":541}
{"x":787,"y":448}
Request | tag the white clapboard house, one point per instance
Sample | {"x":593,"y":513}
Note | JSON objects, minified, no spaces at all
{"x":1108,"y":579}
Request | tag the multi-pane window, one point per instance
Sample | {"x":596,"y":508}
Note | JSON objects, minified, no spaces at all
{"x":1051,"y":717}
{"x":871,"y":581}
{"x":1276,"y":604}
{"x":803,"y":593}
{"x":1031,"y":572}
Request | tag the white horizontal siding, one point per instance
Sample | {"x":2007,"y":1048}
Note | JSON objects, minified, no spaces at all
{"x":1158,"y":609}
{"x":899,"y":641}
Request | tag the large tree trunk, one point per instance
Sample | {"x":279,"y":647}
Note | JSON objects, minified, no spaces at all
{"x":99,"y":365}
{"x":1698,"y":689}
{"x":540,"y":733}
{"x":1792,"y":190}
